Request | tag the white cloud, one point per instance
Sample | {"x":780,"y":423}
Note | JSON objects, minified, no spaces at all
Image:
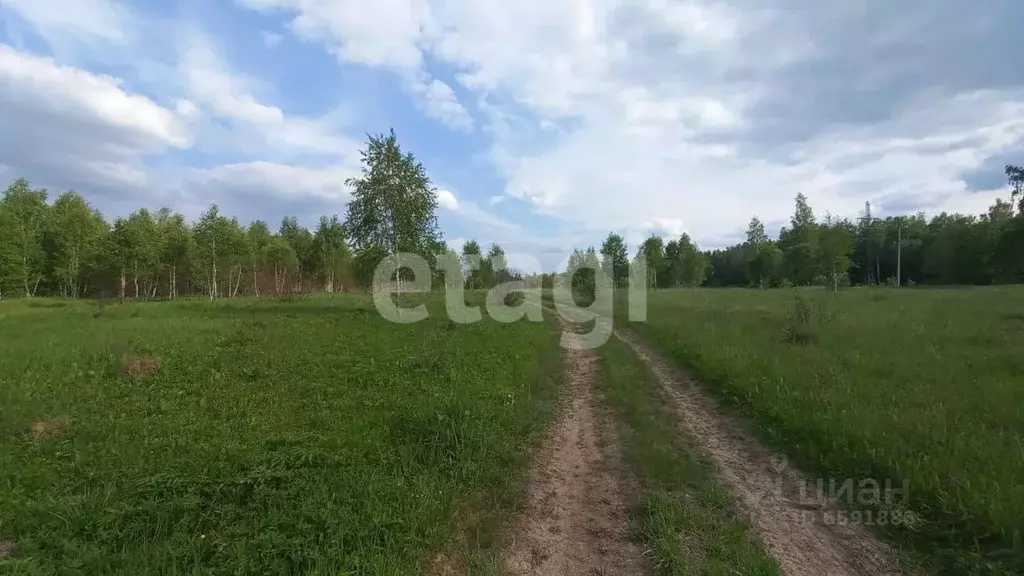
{"x":446,"y":199}
{"x":658,"y":100}
{"x":75,"y":128}
{"x":378,"y":33}
{"x":290,"y":182}
{"x":259,"y":127}
{"x":76,"y":92}
{"x":85,"y":20}
{"x":671,"y":227}
{"x":441,"y":103}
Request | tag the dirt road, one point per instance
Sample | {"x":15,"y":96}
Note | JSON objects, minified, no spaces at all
{"x":575,"y":521}
{"x":792,"y":520}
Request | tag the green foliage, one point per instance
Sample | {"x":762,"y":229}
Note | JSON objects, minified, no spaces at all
{"x":684,"y":265}
{"x":685,"y":517}
{"x":474,"y":276}
{"x":805,"y":318}
{"x":653,"y":250}
{"x":800,"y":244}
{"x":581,"y":273}
{"x":393,"y":203}
{"x":304,"y":437}
{"x":891,"y":391}
{"x":77,"y":233}
{"x":615,"y":260}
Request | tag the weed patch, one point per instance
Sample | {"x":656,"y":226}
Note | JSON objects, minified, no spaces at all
{"x":136,"y":367}
{"x":53,"y":427}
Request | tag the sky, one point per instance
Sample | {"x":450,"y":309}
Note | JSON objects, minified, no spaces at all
{"x":544,"y":124}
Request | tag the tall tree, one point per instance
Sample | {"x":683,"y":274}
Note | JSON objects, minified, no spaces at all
{"x":615,"y":259}
{"x":1015,"y":177}
{"x":175,"y":242}
{"x":331,"y":250}
{"x":12,"y":267}
{"x":78,"y":233}
{"x":690,"y":263}
{"x":28,"y":215}
{"x":799,"y":244}
{"x":497,"y":267}
{"x":393,"y":207}
{"x":835,"y":247}
{"x":762,"y":258}
{"x":259,"y":239}
{"x":653,"y":250}
{"x":474,"y":277}
{"x":281,"y":256}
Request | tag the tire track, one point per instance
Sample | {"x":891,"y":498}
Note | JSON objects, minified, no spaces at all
{"x":789,"y":516}
{"x":575,"y":521}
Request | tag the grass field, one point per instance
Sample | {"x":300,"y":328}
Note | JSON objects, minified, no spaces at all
{"x":925,"y":386}
{"x":260,"y":437}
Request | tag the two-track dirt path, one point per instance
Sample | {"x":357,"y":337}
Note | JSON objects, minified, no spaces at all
{"x":575,"y":521}
{"x":788,"y":515}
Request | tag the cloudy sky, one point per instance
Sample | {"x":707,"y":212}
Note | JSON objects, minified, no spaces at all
{"x":544,"y":123}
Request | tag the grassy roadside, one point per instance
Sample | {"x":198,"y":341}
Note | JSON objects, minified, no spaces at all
{"x":685,"y":519}
{"x":907,"y":386}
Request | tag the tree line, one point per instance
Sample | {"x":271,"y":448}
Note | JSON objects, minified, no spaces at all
{"x":67,"y":248}
{"x":951,"y":249}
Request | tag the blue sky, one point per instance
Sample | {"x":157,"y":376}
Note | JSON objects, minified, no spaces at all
{"x":545,"y":124}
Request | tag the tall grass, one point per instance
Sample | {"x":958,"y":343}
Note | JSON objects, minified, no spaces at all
{"x":920,"y":386}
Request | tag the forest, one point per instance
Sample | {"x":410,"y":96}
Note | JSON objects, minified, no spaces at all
{"x":68,"y":248}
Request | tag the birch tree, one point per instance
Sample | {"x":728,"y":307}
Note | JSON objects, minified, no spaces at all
{"x":393,"y":206}
{"x":27,"y":216}
{"x":78,"y":233}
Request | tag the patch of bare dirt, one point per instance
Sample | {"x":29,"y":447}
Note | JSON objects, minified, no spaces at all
{"x":8,"y":549}
{"x":135,"y":367}
{"x":445,"y":565}
{"x":575,"y":521}
{"x":789,"y":515}
{"x":44,"y":429}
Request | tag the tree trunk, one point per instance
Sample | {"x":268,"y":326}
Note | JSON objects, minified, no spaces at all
{"x":213,"y":277}
{"x":121,"y":292}
{"x":238,"y":280}
{"x":277,"y":285}
{"x":255,"y":286}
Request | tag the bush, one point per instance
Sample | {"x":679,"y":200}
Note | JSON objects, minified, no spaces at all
{"x":804,"y":319}
{"x":514,"y":298}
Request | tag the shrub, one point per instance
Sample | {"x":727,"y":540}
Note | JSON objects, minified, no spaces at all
{"x":804,"y":319}
{"x":514,"y":298}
